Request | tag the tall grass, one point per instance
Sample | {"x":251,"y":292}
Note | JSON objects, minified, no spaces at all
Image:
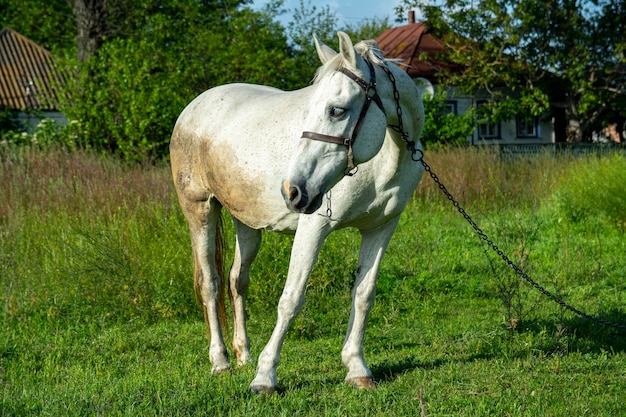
{"x":481,"y":177}
{"x":99,"y":315}
{"x":594,"y":187}
{"x":80,"y":229}
{"x":77,"y":183}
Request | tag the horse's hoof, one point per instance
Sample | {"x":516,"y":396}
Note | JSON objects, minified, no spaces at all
{"x":244,"y":360}
{"x":262,"y":390}
{"x":362,"y":382}
{"x":217,"y":370}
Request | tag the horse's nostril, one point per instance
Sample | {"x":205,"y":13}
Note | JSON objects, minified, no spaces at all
{"x":293,"y":194}
{"x":295,"y":197}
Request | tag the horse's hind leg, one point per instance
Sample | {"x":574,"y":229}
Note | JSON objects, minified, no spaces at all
{"x":202,"y":216}
{"x":247,"y":247}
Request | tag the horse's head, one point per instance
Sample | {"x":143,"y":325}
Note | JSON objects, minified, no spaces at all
{"x":342,"y":129}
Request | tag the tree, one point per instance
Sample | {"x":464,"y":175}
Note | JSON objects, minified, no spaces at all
{"x":308,"y":20}
{"x":442,"y":127}
{"x":135,"y":65}
{"x":157,"y":58}
{"x":91,"y":20}
{"x":48,"y":23}
{"x":533,"y":54}
{"x":368,"y":29}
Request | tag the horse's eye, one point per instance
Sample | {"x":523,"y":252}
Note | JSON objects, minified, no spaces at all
{"x":336,"y":112}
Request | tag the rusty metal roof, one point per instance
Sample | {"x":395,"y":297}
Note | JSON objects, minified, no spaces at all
{"x":416,"y":47}
{"x":28,"y":77}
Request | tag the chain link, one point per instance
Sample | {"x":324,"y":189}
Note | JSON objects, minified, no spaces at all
{"x":329,"y":210}
{"x":418,"y":156}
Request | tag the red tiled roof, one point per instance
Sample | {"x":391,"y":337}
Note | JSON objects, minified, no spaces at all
{"x":416,"y":47}
{"x":28,"y":77}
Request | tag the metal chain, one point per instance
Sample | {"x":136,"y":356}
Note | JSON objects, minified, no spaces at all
{"x":418,"y":156}
{"x":329,"y":210}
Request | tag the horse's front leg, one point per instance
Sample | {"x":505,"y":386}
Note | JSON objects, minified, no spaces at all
{"x":373,"y":245}
{"x":306,"y":246}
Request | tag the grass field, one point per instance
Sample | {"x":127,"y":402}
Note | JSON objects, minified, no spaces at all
{"x":99,"y":316}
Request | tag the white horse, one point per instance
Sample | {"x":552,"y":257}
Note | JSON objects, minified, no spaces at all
{"x":241,"y":146}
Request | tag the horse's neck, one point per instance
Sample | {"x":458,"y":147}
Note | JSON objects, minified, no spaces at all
{"x":412,"y":111}
{"x":394,"y":147}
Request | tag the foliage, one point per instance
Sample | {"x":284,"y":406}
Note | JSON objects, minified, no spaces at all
{"x":8,"y":120}
{"x":367,"y":29}
{"x":99,"y":318}
{"x":307,"y":22}
{"x":151,"y":58}
{"x":48,"y":23}
{"x":129,"y":95}
{"x":127,"y":105}
{"x":528,"y":54}
{"x":46,"y":134}
{"x":442,"y":127}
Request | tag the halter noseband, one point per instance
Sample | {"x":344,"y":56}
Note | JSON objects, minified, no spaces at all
{"x":349,"y":141}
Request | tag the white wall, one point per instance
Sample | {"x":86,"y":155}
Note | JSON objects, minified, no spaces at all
{"x":30,"y":121}
{"x":507,"y":132}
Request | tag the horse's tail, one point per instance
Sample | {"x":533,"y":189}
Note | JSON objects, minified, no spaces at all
{"x":220,"y":269}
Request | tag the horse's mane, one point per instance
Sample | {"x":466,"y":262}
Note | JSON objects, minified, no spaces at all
{"x":368,"y":50}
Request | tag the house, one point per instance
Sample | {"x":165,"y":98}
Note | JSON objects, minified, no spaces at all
{"x":28,"y":80}
{"x":417,"y":48}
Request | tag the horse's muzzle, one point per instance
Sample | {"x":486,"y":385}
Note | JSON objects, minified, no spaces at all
{"x":297,"y":198}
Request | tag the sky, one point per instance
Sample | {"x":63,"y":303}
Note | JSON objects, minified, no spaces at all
{"x":348,"y":11}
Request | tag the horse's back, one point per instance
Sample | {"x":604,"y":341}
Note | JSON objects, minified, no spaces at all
{"x":222,"y":106}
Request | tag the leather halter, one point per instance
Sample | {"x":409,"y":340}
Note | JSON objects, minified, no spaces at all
{"x":370,"y":94}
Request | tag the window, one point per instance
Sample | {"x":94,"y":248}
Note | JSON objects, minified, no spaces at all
{"x":487,"y":129}
{"x":451,"y":107}
{"x":527,"y":128}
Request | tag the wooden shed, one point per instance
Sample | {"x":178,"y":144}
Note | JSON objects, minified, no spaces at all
{"x":29,"y":79}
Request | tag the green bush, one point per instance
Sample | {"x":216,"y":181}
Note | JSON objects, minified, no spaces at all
{"x":442,"y":127}
{"x":126,"y":100}
{"x":594,"y":187}
{"x":47,"y":133}
{"x":8,"y":120}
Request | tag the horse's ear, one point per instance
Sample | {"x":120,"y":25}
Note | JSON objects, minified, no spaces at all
{"x":347,"y":49}
{"x":326,"y":53}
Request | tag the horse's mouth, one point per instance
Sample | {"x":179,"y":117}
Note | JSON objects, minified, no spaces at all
{"x":314,"y":205}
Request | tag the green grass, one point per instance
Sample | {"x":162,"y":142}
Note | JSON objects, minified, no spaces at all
{"x":99,"y":316}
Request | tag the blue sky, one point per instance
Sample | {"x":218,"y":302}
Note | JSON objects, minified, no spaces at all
{"x":348,"y":11}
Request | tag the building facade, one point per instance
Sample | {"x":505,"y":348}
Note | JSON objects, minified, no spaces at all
{"x":417,"y":49}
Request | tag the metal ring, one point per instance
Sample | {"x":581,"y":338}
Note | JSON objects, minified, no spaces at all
{"x":415,"y":152}
{"x":348,"y":172}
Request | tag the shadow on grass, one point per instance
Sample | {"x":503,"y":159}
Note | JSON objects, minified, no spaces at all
{"x":390,"y":370}
{"x":581,"y":334}
{"x":550,"y":337}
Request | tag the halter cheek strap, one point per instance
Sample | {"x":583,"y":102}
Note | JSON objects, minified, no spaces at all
{"x":370,"y":95}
